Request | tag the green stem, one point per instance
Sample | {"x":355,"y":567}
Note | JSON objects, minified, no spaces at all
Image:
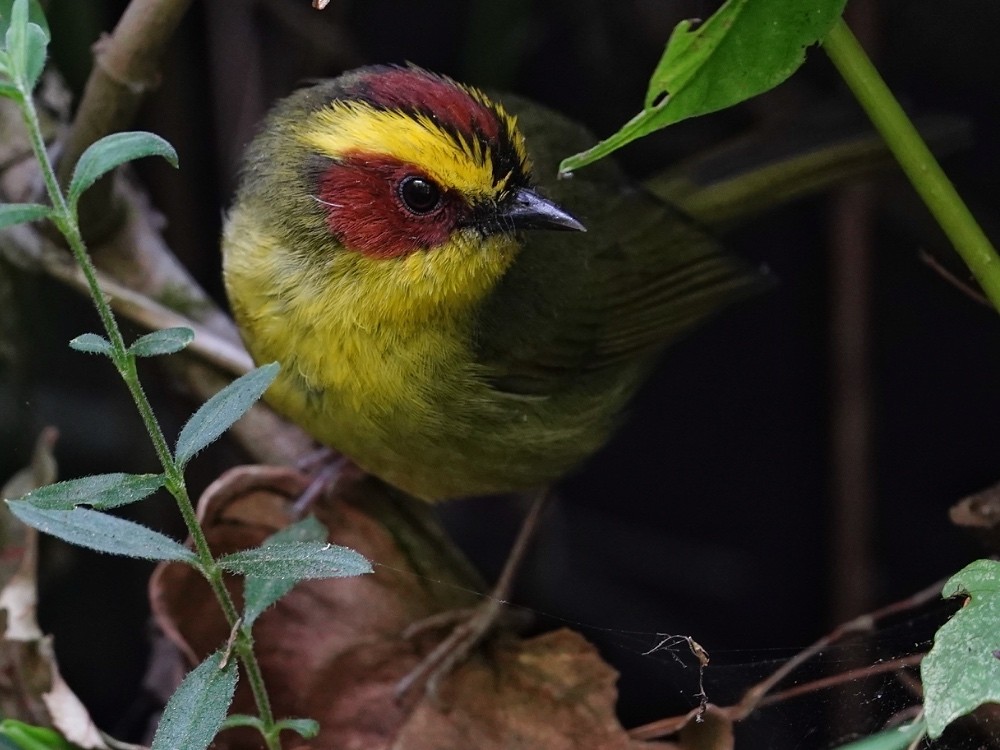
{"x":124,"y":361}
{"x":915,"y":158}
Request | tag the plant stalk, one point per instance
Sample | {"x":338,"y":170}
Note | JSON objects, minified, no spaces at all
{"x":126,"y":67}
{"x":915,"y":158}
{"x":124,"y":361}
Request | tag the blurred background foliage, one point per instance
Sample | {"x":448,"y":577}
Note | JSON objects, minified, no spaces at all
{"x":711,"y":513}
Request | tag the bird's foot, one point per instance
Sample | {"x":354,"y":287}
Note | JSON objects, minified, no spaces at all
{"x":469,"y":627}
{"x":326,"y":467}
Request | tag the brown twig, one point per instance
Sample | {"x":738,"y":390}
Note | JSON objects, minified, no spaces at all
{"x":757,"y":695}
{"x":967,"y":289}
{"x":126,"y":68}
{"x":852,"y":214}
{"x":144,"y":278}
{"x":861,"y":624}
{"x":861,"y":673}
{"x":44,"y":255}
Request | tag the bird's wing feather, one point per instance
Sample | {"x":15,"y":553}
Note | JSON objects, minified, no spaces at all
{"x":608,"y":298}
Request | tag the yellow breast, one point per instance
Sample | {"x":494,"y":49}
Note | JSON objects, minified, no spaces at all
{"x":370,"y":348}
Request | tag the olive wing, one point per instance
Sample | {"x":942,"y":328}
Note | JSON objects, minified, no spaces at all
{"x":579,"y":303}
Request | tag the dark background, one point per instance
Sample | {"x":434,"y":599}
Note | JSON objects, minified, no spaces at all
{"x":713,"y":512}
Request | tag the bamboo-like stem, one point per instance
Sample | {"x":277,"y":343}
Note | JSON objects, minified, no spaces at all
{"x":915,"y":158}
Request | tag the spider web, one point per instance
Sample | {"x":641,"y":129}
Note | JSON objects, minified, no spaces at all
{"x":846,"y":691}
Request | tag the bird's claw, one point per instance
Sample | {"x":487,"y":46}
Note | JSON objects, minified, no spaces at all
{"x":470,"y":628}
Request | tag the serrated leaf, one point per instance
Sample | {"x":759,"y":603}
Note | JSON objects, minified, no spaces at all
{"x":897,"y":738}
{"x":112,"y":151}
{"x":298,"y":560}
{"x":20,"y":213}
{"x":91,"y":343}
{"x":101,"y":532}
{"x":746,"y":48}
{"x":962,"y":670}
{"x":260,"y":593}
{"x":164,"y":341}
{"x":195,"y":712}
{"x":221,"y":411}
{"x":35,"y":15}
{"x":102,"y":491}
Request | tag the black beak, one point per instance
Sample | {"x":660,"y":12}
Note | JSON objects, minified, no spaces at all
{"x":526,"y":209}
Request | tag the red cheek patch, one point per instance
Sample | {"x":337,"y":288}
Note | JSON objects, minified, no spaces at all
{"x":364,"y":211}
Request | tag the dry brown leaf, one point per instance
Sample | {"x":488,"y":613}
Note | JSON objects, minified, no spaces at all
{"x":331,"y":650}
{"x":69,"y":715}
{"x":31,"y":687}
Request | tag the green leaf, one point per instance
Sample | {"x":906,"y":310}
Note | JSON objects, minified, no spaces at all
{"x":112,"y":151}
{"x":962,"y":670}
{"x":15,"y":41}
{"x":897,"y":738}
{"x":19,"y":213}
{"x":260,"y":593}
{"x":20,"y":736}
{"x":35,"y":15}
{"x":744,"y":49}
{"x":9,"y":91}
{"x":101,"y":491}
{"x":243,"y":720}
{"x":222,"y":410}
{"x":25,"y":43}
{"x":165,"y":341}
{"x":298,"y":560}
{"x":306,"y":728}
{"x":195,"y":712}
{"x":91,"y":343}
{"x":103,"y":533}
{"x":34,"y":55}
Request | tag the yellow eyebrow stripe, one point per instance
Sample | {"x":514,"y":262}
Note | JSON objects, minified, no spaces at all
{"x":352,"y":127}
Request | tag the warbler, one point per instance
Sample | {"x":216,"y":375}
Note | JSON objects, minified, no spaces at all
{"x":400,"y":243}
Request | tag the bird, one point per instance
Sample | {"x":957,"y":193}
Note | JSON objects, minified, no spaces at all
{"x":447,"y":312}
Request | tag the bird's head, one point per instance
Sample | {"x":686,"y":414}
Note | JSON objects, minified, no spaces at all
{"x":407,"y":178}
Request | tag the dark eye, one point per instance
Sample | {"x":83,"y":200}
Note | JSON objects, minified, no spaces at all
{"x":419,"y":194}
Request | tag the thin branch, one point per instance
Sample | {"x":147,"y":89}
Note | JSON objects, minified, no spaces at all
{"x":265,"y":435}
{"x":965,"y":288}
{"x":757,"y":695}
{"x":852,"y":214}
{"x":126,"y":68}
{"x":150,"y":314}
{"x":861,"y":624}
{"x":916,"y":160}
{"x":861,"y":673}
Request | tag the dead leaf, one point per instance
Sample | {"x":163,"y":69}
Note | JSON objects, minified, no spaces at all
{"x":31,"y":687}
{"x":331,"y":650}
{"x":68,"y":713}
